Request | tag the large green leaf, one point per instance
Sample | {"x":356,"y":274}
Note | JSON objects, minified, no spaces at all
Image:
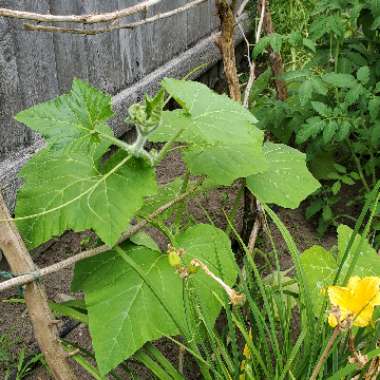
{"x":223,"y":163}
{"x":368,"y":261}
{"x":72,"y":121}
{"x":223,"y":142}
{"x":124,"y":313}
{"x":67,"y":191}
{"x":319,"y":267}
{"x":287,"y":182}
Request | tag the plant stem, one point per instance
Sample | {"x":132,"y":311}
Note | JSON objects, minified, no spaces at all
{"x":235,"y":207}
{"x":358,"y":166}
{"x":115,"y":141}
{"x":325,"y":354}
{"x":167,"y":147}
{"x":180,"y":207}
{"x":373,"y":171}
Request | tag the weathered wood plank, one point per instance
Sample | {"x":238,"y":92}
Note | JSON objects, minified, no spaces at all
{"x":103,"y":50}
{"x":129,"y":44}
{"x":35,"y":60}
{"x":70,"y":50}
{"x":164,"y":39}
{"x":12,"y":135}
{"x":214,"y":19}
{"x":198,"y":23}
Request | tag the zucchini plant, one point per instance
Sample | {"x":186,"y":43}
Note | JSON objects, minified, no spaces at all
{"x":87,"y":179}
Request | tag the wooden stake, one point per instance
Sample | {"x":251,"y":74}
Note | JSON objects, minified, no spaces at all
{"x":227,"y":47}
{"x":275,"y":58}
{"x":45,"y":330}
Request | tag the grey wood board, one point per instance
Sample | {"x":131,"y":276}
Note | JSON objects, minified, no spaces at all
{"x":12,"y":134}
{"x":70,"y":51}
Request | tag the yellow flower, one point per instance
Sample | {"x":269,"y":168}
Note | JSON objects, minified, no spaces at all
{"x":356,"y":302}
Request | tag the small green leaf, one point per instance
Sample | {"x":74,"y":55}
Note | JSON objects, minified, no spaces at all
{"x":347,"y":180}
{"x":313,"y":209}
{"x":275,"y":42}
{"x":354,"y":93}
{"x":261,"y":45}
{"x":296,"y":74}
{"x":319,"y":86}
{"x":261,"y":83}
{"x":313,"y":126}
{"x":310,"y":44}
{"x":344,"y":130}
{"x":355,"y":176}
{"x":340,"y":80}
{"x":305,"y":92}
{"x":375,"y":135}
{"x":363,"y":74}
{"x":287,"y":182}
{"x":329,"y":131}
{"x":335,"y":188}
{"x":321,"y":108}
{"x":374,"y":108}
{"x":374,"y":6}
{"x":323,"y":166}
{"x":340,"y":168}
{"x":327,"y":213}
{"x":295,"y":39}
{"x":318,"y":28}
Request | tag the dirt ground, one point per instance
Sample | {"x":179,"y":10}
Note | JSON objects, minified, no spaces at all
{"x":14,"y":322}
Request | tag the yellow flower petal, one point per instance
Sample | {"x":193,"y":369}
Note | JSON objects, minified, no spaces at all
{"x":357,"y":300}
{"x":333,"y":322}
{"x":339,"y":296}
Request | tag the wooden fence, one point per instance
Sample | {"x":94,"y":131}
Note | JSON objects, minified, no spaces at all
{"x":38,"y":66}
